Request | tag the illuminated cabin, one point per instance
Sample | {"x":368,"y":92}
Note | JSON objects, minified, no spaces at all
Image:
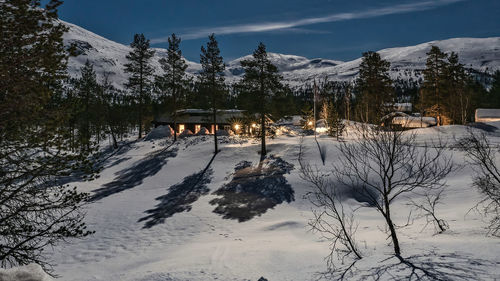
{"x":195,"y":119}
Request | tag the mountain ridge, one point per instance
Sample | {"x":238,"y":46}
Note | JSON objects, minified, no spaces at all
{"x":407,"y":63}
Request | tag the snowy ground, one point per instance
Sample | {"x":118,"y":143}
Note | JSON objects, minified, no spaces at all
{"x":152,"y":224}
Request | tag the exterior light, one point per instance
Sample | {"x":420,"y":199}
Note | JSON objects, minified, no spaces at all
{"x":237,"y":127}
{"x":254,"y":125}
{"x":310,"y":123}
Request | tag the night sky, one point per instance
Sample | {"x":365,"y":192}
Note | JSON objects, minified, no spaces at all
{"x":333,"y":29}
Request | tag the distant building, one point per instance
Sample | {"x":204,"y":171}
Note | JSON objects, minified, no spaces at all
{"x":195,"y":119}
{"x":292,"y":120}
{"x":406,"y":121}
{"x":487,"y":115}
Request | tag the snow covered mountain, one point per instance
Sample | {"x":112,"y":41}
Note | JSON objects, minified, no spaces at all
{"x":480,"y":54}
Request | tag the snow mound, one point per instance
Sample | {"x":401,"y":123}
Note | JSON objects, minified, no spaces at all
{"x":159,"y":132}
{"x":203,"y":132}
{"x":224,"y":133}
{"x":186,"y":133}
{"x":30,"y":272}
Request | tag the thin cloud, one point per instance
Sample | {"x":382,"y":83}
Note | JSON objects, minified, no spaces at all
{"x":273,"y":26}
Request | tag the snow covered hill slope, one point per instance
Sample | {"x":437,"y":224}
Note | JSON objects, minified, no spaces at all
{"x":158,"y":217}
{"x":480,"y":54}
{"x":108,"y":57}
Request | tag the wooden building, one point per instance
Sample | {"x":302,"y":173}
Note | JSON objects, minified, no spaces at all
{"x":195,"y":119}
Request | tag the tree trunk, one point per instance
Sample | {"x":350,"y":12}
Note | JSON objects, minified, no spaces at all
{"x":113,"y":136}
{"x":175,"y":117}
{"x":263,"y":151}
{"x":140,"y":120}
{"x":215,"y":129}
{"x":141,"y":86}
{"x":392,"y":229}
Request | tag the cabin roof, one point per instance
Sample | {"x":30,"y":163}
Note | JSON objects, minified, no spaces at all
{"x":200,"y":116}
{"x":487,"y":113}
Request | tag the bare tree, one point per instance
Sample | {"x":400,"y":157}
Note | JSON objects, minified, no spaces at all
{"x":382,"y":165}
{"x":331,"y":220}
{"x":427,"y":206}
{"x":481,"y":154}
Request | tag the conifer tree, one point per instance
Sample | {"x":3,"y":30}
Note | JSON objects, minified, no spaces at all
{"x":307,"y":118}
{"x":494,"y":92}
{"x":433,"y":92}
{"x":212,"y":76}
{"x":334,"y":122}
{"x":172,"y":82}
{"x":38,"y":211}
{"x":262,"y":80}
{"x":140,"y":70}
{"x":459,"y":101}
{"x":113,"y":117}
{"x":374,"y":87}
{"x":336,"y":125}
{"x":86,"y":90}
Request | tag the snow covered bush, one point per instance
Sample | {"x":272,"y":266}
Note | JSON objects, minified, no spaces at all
{"x":186,"y":133}
{"x":160,"y":132}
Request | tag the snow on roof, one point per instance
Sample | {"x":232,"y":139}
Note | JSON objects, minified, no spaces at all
{"x":290,"y":120}
{"x":487,"y":113}
{"x":414,"y":121}
{"x":200,"y":116}
{"x":208,"y":111}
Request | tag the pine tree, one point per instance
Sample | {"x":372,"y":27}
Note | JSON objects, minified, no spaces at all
{"x":261,"y":79}
{"x":307,"y":118}
{"x":86,"y":96}
{"x":374,"y":88}
{"x":494,"y":92}
{"x":433,"y":92}
{"x":172,"y":82}
{"x":35,"y":143}
{"x":336,"y":125}
{"x":140,"y":72}
{"x":334,"y":122}
{"x":110,"y":99}
{"x":459,"y":100}
{"x":212,"y":76}
{"x":324,"y":112}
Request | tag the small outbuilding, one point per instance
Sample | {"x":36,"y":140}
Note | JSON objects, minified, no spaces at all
{"x":487,"y":115}
{"x":406,"y":121}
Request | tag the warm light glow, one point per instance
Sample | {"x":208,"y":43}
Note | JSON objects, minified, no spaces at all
{"x":254,"y":125}
{"x":181,"y":128}
{"x":237,"y":127}
{"x":310,"y":123}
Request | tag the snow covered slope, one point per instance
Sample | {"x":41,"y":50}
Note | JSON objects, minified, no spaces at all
{"x":480,"y":54}
{"x":107,"y":56}
{"x":152,"y":223}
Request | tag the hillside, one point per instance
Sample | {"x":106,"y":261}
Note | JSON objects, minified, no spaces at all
{"x":154,"y":223}
{"x":479,"y":54}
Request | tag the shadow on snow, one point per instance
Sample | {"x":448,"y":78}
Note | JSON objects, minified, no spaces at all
{"x":133,"y":176}
{"x":180,"y":197}
{"x":254,"y":190}
{"x":430,"y":266}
